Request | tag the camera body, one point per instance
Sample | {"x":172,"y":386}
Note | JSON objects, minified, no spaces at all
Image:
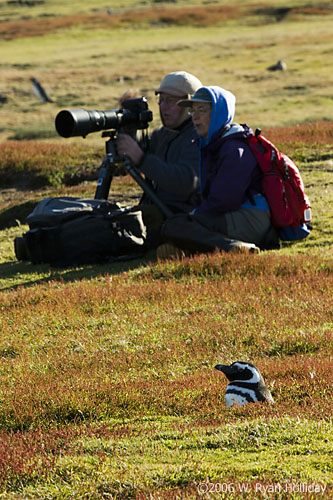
{"x":134,"y":115}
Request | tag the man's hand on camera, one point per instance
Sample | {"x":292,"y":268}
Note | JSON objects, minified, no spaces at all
{"x":127,"y":146}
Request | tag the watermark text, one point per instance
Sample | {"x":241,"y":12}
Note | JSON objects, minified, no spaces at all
{"x":261,"y":488}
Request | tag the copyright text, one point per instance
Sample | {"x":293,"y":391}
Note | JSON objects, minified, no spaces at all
{"x":257,"y":487}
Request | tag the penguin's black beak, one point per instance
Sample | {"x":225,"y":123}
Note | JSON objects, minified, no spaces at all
{"x":223,"y":368}
{"x":229,"y":369}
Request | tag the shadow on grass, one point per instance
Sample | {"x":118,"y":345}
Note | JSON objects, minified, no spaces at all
{"x":10,"y":216}
{"x":24,"y":274}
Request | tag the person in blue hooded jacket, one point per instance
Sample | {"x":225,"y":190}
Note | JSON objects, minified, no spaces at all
{"x":232,"y":199}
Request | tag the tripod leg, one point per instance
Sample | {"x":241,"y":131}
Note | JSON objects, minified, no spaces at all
{"x":147,"y":189}
{"x":104,"y":179}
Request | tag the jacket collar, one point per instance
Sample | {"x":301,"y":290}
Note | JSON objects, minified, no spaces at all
{"x":233,"y":131}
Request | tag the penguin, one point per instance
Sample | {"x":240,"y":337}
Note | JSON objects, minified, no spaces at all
{"x":279,"y":66}
{"x":246,"y":384}
{"x":39,"y":91}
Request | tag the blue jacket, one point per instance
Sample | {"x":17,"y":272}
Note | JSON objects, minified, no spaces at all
{"x":229,"y":173}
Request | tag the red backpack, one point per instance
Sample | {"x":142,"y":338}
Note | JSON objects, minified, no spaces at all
{"x":282,"y":184}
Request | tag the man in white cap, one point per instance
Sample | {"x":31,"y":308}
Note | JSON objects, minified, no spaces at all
{"x":171,"y":163}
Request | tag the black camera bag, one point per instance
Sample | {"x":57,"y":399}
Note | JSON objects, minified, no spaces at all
{"x":69,"y":231}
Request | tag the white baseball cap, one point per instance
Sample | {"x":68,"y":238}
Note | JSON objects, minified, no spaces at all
{"x":179,"y":83}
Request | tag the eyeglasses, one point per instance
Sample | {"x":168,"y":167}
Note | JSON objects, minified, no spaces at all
{"x":200,"y":111}
{"x":169,"y":101}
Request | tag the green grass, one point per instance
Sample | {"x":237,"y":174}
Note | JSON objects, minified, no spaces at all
{"x":109,"y":383}
{"x":163,"y":451}
{"x":107,"y":380}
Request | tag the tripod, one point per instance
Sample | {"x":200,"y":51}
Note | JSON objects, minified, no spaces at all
{"x":106,"y":170}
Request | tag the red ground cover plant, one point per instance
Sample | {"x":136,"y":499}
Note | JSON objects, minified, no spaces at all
{"x":195,"y":15}
{"x":97,"y":347}
{"x":27,"y":154}
{"x":320,"y":132}
{"x":27,"y":456}
{"x":40,"y":163}
{"x":179,"y":15}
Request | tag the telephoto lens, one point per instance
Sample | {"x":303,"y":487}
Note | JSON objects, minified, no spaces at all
{"x":134,"y":115}
{"x":81,"y":122}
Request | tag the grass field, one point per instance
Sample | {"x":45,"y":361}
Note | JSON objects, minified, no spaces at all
{"x":107,"y":386}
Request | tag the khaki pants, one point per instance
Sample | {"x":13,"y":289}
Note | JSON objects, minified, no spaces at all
{"x":152,"y":218}
{"x":246,"y":224}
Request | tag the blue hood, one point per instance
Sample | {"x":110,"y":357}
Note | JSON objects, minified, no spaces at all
{"x":223,"y":110}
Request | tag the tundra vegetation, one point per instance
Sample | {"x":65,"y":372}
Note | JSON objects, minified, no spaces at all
{"x":107,"y":386}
